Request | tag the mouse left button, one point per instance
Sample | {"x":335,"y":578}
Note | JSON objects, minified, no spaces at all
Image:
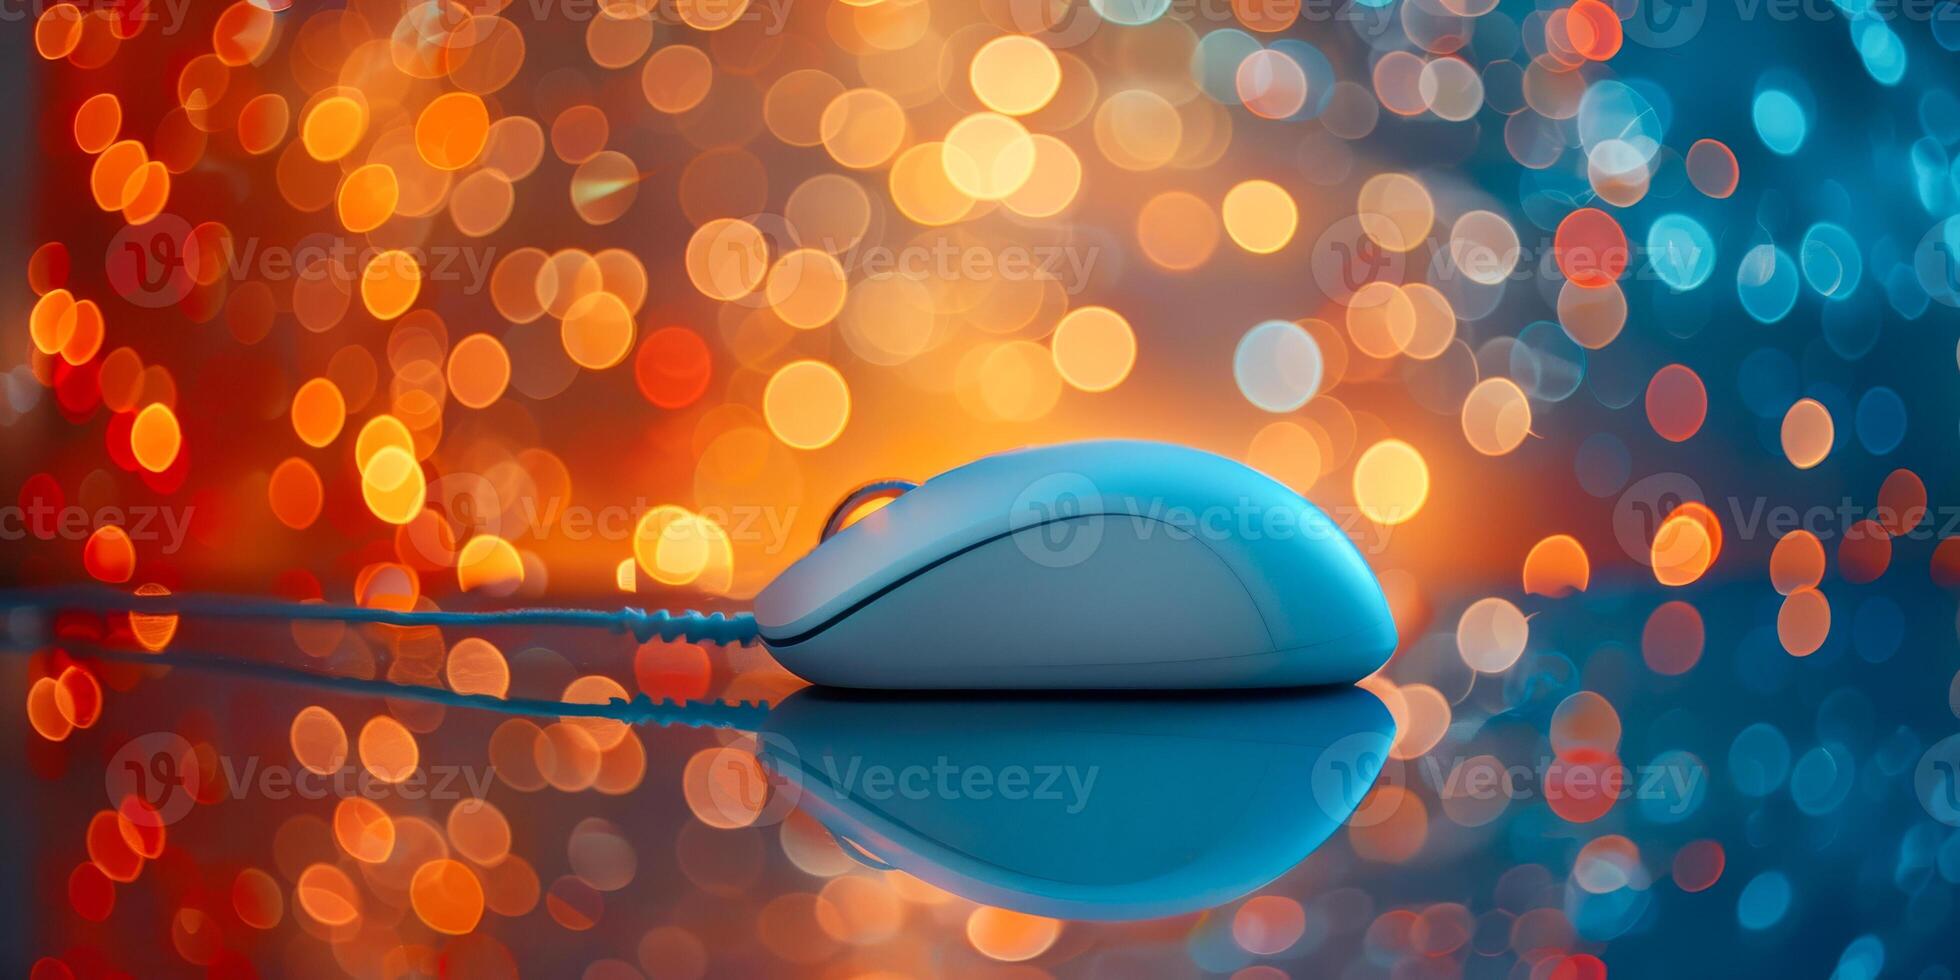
{"x":887,"y":490}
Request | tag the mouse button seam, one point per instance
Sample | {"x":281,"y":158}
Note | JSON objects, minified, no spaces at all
{"x":1272,"y":641}
{"x":892,"y":586}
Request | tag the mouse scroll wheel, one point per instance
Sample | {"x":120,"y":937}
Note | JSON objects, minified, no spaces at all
{"x":855,"y":500}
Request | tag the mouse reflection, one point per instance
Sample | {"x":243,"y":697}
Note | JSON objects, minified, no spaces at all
{"x":1109,"y":809}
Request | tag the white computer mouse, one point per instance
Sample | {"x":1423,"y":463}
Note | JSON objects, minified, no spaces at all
{"x":1089,"y":565}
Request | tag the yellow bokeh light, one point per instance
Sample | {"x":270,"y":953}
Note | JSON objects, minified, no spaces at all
{"x":988,"y":155}
{"x":727,"y":258}
{"x":1260,"y":216}
{"x":1682,"y":550}
{"x":793,"y":108}
{"x":1395,"y":210}
{"x":368,"y":197}
{"x":1010,"y":936}
{"x":1496,"y":416}
{"x":1434,"y":325}
{"x":807,"y":404}
{"x":1491,"y":635}
{"x":479,"y":370}
{"x":889,"y":318}
{"x":109,"y":178}
{"x":51,"y":323}
{"x":390,"y":284}
{"x":489,"y":563}
{"x":676,"y":78}
{"x":1017,"y":381}
{"x":1287,"y":452}
{"x":862,"y":128}
{"x":333,"y":127}
{"x":710,"y":15}
{"x":597,"y":331}
{"x":154,"y":437}
{"x":393,"y":485}
{"x":1391,"y":482}
{"x":1094,"y":348}
{"x":829,"y":211}
{"x":379,"y":433}
{"x":1137,"y":129}
{"x":1015,"y":74}
{"x":806,"y":288}
{"x":671,"y":545}
{"x":923,"y":191}
{"x":1381,"y":319}
{"x":1052,"y":185}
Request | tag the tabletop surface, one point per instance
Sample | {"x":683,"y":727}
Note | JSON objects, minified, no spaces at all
{"x":248,"y":798}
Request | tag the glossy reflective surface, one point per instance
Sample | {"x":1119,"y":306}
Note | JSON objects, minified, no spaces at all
{"x":396,"y":800}
{"x":1106,"y":809}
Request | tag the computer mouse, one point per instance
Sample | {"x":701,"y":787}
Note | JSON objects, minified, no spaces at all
{"x":1090,"y":565}
{"x":1121,"y":807}
{"x":1116,"y":565}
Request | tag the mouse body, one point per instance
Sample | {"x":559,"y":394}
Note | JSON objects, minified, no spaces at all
{"x":1106,"y":565}
{"x":1115,"y":808}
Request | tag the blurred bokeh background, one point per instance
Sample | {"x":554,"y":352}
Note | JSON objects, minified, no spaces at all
{"x":1620,"y":335}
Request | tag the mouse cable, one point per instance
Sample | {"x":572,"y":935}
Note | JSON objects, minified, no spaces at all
{"x":637,"y":710}
{"x":644,"y":624}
